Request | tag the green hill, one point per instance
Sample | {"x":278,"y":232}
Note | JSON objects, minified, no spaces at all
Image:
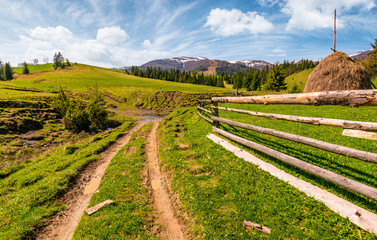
{"x":297,"y":81}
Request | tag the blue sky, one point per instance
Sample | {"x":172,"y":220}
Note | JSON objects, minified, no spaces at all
{"x":113,"y":33}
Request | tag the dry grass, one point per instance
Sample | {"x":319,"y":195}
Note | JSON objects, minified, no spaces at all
{"x":337,"y":72}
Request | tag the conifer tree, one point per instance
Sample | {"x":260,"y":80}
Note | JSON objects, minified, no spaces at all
{"x":8,"y":73}
{"x":25,"y":70}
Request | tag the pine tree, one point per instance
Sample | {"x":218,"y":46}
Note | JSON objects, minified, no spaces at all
{"x":58,"y":59}
{"x":25,"y":70}
{"x":8,"y":73}
{"x":275,"y":79}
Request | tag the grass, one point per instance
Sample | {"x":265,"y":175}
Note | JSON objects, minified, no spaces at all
{"x":34,"y":68}
{"x":81,"y":77}
{"x":298,"y":79}
{"x":218,"y":191}
{"x":355,"y":169}
{"x":130,"y":217}
{"x":29,"y":191}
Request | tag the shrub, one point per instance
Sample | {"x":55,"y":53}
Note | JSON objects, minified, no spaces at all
{"x":80,"y":116}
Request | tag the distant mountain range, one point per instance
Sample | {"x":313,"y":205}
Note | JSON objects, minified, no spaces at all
{"x":209,"y":66}
{"x":205,"y":65}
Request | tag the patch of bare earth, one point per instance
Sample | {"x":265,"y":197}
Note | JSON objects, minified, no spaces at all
{"x":170,"y":226}
{"x":211,"y":69}
{"x":64,"y":223}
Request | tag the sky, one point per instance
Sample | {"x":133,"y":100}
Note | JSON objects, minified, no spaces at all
{"x":115,"y":33}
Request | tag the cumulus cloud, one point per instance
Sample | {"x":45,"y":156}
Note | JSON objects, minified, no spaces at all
{"x":108,"y":49}
{"x":316,"y":14}
{"x":232,"y":22}
{"x":112,"y":35}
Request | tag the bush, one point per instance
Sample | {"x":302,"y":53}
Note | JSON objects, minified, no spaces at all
{"x":81,"y":116}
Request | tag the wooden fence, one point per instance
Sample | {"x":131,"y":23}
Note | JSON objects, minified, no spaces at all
{"x":347,"y":98}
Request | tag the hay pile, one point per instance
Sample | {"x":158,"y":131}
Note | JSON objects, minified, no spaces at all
{"x":337,"y":72}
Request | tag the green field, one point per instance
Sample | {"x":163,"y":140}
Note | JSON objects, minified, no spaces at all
{"x":215,"y":190}
{"x":219,"y":190}
{"x":298,"y":80}
{"x":34,"y":68}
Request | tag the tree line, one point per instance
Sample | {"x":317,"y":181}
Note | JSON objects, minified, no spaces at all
{"x":268,"y":79}
{"x":175,"y":75}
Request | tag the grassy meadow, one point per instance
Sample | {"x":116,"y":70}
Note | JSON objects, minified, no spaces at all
{"x":217,"y":190}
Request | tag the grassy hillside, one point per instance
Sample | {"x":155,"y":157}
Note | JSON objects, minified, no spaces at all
{"x":218,"y":191}
{"x":297,"y":81}
{"x":34,"y":68}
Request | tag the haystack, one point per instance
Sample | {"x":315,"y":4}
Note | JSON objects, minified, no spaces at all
{"x":337,"y":72}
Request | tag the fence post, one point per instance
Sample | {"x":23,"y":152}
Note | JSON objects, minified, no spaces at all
{"x":216,"y":113}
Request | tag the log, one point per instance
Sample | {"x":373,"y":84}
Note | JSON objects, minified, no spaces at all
{"x":205,"y":118}
{"x":348,"y":97}
{"x":345,"y":151}
{"x":360,"y":134}
{"x":97,"y":207}
{"x":359,"y":216}
{"x":205,"y":110}
{"x":208,"y":100}
{"x":347,"y":183}
{"x":366,"y":126}
{"x":251,"y":225}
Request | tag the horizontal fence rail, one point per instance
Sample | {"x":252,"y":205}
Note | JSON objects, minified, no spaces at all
{"x":350,"y":98}
{"x":347,"y":124}
{"x":345,"y":151}
{"x":348,"y":183}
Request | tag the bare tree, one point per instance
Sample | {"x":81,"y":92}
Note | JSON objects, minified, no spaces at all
{"x":35,"y":61}
{"x":45,"y":60}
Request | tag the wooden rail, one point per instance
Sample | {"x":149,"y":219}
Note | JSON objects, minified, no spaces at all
{"x":347,"y":124}
{"x":350,"y":98}
{"x":348,"y":183}
{"x":345,"y":151}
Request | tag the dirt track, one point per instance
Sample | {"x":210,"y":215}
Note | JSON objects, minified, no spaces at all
{"x":170,"y":226}
{"x":62,"y":226}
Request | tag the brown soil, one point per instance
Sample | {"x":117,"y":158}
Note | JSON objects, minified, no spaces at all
{"x":63,"y":224}
{"x":170,"y":225}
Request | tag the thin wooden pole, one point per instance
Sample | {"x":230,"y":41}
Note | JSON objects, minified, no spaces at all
{"x":347,"y":183}
{"x":205,"y":118}
{"x":345,"y":151}
{"x":334,"y":49}
{"x":348,"y":97}
{"x":216,"y":114}
{"x":205,"y":110}
{"x":347,"y":124}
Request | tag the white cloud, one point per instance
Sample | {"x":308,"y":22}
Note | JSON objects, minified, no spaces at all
{"x":226,"y":23}
{"x":112,"y":35}
{"x":109,"y":49}
{"x":316,"y":14}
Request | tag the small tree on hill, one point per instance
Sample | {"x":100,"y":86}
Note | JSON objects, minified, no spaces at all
{"x":35,"y":61}
{"x":58,"y":60}
{"x":25,"y":70}
{"x":8,"y":73}
{"x":275,"y":79}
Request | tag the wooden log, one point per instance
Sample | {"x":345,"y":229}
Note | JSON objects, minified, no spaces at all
{"x":366,"y":126}
{"x":205,"y":118}
{"x":205,"y":100}
{"x":205,"y":110}
{"x":360,"y":134}
{"x":347,"y":183}
{"x":97,"y":207}
{"x":251,"y":225}
{"x":359,"y":216}
{"x":345,"y":151}
{"x":349,"y":97}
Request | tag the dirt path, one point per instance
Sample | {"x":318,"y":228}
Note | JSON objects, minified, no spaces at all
{"x":77,"y":199}
{"x":170,"y":226}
